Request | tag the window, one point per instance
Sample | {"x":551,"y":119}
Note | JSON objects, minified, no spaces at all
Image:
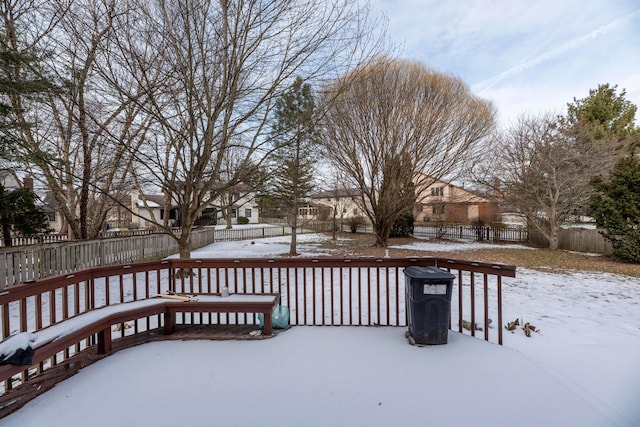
{"x":52,"y":216}
{"x":355,"y":211}
{"x":308,"y":211}
{"x":233,"y":213}
{"x":437,"y":191}
{"x":438,"y":210}
{"x":247,"y":213}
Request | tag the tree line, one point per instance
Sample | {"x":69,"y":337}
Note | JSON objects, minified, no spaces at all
{"x":125,"y":95}
{"x":553,"y":168}
{"x":103,"y":97}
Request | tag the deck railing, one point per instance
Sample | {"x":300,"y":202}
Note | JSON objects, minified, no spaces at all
{"x":321,"y":291}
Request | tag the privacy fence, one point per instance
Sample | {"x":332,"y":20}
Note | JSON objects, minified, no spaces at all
{"x":324,"y":291}
{"x":575,"y":239}
{"x":29,"y":263}
{"x":36,"y":240}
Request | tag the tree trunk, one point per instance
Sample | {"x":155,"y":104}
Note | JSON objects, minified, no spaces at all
{"x":553,"y":237}
{"x":227,"y":218}
{"x":86,"y":164}
{"x":382,"y":229}
{"x":184,"y":245}
{"x":6,"y":234}
{"x":294,"y":228}
{"x":334,"y":225}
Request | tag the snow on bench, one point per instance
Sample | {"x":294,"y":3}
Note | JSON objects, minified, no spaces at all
{"x":45,"y":343}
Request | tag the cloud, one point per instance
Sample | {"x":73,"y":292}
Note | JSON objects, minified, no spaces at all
{"x":526,"y":56}
{"x":560,"y":50}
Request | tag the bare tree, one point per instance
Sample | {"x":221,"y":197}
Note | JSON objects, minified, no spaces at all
{"x":395,"y":127}
{"x":223,"y":65}
{"x":543,"y":171}
{"x":79,"y":144}
{"x":235,"y":168}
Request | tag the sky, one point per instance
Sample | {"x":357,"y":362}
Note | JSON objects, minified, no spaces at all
{"x":528,"y":57}
{"x":580,"y":369}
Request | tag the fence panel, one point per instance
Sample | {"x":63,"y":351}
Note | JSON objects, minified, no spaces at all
{"x":36,"y":240}
{"x":28,"y":263}
{"x":471,"y":232}
{"x":575,"y":239}
{"x":583,"y":240}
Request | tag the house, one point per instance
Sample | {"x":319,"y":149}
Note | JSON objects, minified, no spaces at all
{"x":437,"y":201}
{"x":345,"y":202}
{"x":9,"y":180}
{"x":144,"y":211}
{"x":57,"y":221}
{"x":441,"y":201}
{"x":242,"y":202}
{"x":150,"y":207}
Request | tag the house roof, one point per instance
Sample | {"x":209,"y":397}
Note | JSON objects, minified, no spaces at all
{"x":460,"y":186}
{"x":149,"y":203}
{"x":153,"y":200}
{"x":49,"y":201}
{"x":338,"y":193}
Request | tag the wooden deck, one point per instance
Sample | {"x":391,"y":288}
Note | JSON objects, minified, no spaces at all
{"x":16,"y":398}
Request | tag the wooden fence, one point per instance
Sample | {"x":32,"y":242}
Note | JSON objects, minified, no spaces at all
{"x":36,"y":240}
{"x":29,"y":263}
{"x":575,"y":239}
{"x":323,"y":291}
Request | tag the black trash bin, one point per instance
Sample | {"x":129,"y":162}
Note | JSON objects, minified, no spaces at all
{"x":428,"y":303}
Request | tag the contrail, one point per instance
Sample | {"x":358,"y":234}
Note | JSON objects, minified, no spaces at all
{"x":489,"y":83}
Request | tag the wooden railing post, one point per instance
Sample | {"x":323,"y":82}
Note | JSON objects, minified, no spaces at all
{"x":104,"y":340}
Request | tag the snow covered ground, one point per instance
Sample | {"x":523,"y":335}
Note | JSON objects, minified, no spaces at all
{"x":582,"y":368}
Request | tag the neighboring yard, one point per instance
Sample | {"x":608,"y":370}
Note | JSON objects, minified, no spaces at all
{"x":518,"y":255}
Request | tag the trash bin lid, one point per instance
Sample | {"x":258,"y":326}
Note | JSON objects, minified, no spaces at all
{"x":432,"y":273}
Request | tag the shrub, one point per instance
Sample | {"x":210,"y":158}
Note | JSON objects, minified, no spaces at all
{"x":403,"y":227}
{"x":354,"y":223}
{"x":243,"y":220}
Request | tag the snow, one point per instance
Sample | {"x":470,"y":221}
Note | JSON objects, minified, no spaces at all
{"x":38,"y":339}
{"x":148,"y":204}
{"x":448,"y":246}
{"x":582,"y":368}
{"x":313,"y":376}
{"x":262,"y":248}
{"x":235,"y":298}
{"x":20,"y":341}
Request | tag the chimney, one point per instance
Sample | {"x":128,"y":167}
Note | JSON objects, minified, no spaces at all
{"x":27,"y":183}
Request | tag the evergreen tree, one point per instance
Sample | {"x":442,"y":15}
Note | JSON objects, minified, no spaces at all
{"x":604,"y":121}
{"x":296,"y":151}
{"x":20,"y":79}
{"x":616,"y":208}
{"x":604,"y":115}
{"x":19,"y":213}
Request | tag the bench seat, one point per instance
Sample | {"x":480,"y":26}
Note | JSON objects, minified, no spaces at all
{"x":56,"y":338}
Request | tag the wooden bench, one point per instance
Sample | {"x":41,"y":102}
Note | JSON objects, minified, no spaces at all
{"x":59,"y":337}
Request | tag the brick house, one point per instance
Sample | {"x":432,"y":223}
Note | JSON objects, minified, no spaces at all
{"x":445,"y":202}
